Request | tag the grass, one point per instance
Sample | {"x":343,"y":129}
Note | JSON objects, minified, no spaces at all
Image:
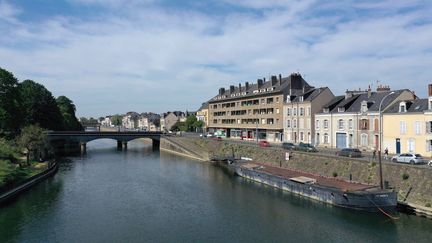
{"x":11,"y":174}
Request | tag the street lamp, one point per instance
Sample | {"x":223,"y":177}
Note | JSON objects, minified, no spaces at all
{"x":256,"y":130}
{"x":380,"y":138}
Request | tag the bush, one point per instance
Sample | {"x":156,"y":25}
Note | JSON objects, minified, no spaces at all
{"x":428,"y":205}
{"x":405,"y":176}
{"x":373,"y":164}
{"x":335,"y":174}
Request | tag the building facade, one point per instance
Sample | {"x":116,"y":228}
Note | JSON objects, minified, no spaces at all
{"x":407,"y":126}
{"x":253,"y":111}
{"x":299,"y":114}
{"x":352,"y":121}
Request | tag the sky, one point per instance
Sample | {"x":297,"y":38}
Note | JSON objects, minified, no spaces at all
{"x":115,"y":56}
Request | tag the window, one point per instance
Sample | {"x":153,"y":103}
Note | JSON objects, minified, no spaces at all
{"x":277,"y":110}
{"x":325,"y":124}
{"x":317,"y":124}
{"x":364,"y":139}
{"x":403,"y":127}
{"x":428,"y":145}
{"x":350,"y":124}
{"x":301,"y":136}
{"x":341,"y":109}
{"x":295,"y":111}
{"x":288,"y":111}
{"x":411,"y":145}
{"x":301,"y":111}
{"x":288,"y":123}
{"x":364,"y":124}
{"x":301,"y":98}
{"x":341,"y":124}
{"x":417,"y":127}
{"x":308,"y":111}
{"x":277,"y":99}
{"x":326,"y":138}
{"x":326,"y":110}
{"x":294,"y":123}
{"x":429,"y":127}
{"x":364,"y":107}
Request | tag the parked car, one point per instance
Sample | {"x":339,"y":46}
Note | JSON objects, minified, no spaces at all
{"x":264,"y":144}
{"x":217,"y":138}
{"x":306,"y":147}
{"x":288,"y":146}
{"x":349,"y":152}
{"x":408,"y":158}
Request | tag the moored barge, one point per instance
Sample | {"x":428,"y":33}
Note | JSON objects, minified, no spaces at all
{"x":337,"y":192}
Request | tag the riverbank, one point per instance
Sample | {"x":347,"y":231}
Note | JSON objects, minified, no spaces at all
{"x":414,"y":184}
{"x":25,"y":178}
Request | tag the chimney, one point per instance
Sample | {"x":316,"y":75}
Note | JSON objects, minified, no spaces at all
{"x":260,"y":82}
{"x":383,"y":88}
{"x":264,"y":79}
{"x":273,"y":80}
{"x":221,"y":91}
{"x":280,"y":79}
{"x":369,"y":92}
{"x":239,"y":87}
{"x":430,"y":89}
{"x":232,"y":89}
{"x":247,"y":85}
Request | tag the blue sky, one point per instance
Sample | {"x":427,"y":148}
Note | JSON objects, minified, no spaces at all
{"x":114,"y":56}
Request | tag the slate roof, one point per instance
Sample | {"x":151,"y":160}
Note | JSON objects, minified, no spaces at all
{"x":374,"y":100}
{"x":204,"y":105}
{"x":295,"y":82}
{"x":418,"y":105}
{"x":334,"y":102}
{"x":309,"y":95}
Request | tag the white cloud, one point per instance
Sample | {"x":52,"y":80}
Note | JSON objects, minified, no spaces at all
{"x":8,"y":12}
{"x":157,"y":60}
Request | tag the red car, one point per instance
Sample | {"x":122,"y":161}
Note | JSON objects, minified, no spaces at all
{"x":217,"y":138}
{"x":264,"y":144}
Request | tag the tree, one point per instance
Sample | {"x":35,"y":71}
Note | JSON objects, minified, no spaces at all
{"x":10,"y":113}
{"x":190,"y":123}
{"x":7,"y":151}
{"x":67,"y":109}
{"x":34,"y":139}
{"x":116,"y":120}
{"x":39,"y":106}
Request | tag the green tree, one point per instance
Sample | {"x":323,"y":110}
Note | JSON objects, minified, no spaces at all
{"x":10,"y":112}
{"x":7,"y":151}
{"x":33,"y":139}
{"x":116,"y":120}
{"x":190,"y":123}
{"x":39,"y":106}
{"x":67,"y":109}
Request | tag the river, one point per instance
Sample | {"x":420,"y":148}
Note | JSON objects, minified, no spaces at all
{"x":146,"y":196}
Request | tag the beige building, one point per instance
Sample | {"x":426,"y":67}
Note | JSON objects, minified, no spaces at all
{"x":407,"y":126}
{"x":253,"y":110}
{"x":202,"y":115}
{"x":299,"y":113}
{"x":353,"y":120}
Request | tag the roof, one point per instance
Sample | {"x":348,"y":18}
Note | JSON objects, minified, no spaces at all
{"x":373,"y":102}
{"x":334,"y":102}
{"x":204,"y":105}
{"x":294,"y":82}
{"x":309,"y":95}
{"x":412,"y":106}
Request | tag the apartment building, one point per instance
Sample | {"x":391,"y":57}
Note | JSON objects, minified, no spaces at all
{"x":254,"y":110}
{"x":407,"y":126}
{"x":353,"y":120}
{"x":299,"y":113}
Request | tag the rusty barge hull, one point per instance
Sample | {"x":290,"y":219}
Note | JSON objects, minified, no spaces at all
{"x":348,"y":195}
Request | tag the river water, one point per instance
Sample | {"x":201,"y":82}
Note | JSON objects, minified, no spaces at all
{"x":145,"y":196}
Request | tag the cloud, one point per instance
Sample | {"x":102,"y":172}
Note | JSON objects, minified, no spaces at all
{"x":154,"y":58}
{"x":8,"y":12}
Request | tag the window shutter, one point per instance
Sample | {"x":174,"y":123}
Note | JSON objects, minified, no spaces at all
{"x":428,"y":127}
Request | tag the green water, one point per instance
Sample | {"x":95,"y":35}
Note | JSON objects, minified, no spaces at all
{"x":144,"y":196}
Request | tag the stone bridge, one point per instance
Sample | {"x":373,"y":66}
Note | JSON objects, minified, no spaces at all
{"x":83,"y":137}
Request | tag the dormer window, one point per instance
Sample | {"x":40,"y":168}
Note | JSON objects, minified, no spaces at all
{"x":301,"y":98}
{"x":341,"y":109}
{"x":402,"y":107}
{"x":288,"y":98}
{"x":364,"y":106}
{"x":326,"y":110}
